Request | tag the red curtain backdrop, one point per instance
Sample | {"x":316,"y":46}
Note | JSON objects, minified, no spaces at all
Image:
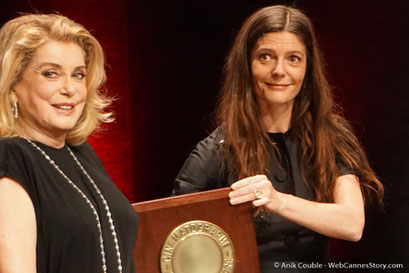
{"x":164,"y":65}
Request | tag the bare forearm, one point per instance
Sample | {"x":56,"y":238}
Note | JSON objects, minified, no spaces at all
{"x":18,"y":233}
{"x":344,"y":218}
{"x":331,"y":219}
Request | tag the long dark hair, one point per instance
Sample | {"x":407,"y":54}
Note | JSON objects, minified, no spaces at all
{"x":316,"y":120}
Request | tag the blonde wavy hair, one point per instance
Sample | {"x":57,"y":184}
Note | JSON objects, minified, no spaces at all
{"x":19,"y":40}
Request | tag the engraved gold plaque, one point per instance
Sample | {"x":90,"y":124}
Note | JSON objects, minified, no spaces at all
{"x":197,"y":247}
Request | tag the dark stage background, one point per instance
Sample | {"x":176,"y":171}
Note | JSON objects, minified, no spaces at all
{"x":164,"y":65}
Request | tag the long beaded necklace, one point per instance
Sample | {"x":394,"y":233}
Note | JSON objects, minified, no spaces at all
{"x":108,"y":212}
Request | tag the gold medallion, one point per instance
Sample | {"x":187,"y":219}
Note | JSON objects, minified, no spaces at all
{"x":197,"y":247}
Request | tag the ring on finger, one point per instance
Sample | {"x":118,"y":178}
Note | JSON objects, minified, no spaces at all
{"x":257,"y":193}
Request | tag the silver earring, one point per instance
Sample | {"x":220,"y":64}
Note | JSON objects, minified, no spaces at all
{"x":14,"y":108}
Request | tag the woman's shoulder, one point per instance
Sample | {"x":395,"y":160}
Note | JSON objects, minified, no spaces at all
{"x":18,"y":160}
{"x":209,"y":152}
{"x":16,"y":152}
{"x":213,"y":141}
{"x":84,"y":148}
{"x":208,"y":149}
{"x":201,"y":170}
{"x":13,"y":146}
{"x":10,"y":141}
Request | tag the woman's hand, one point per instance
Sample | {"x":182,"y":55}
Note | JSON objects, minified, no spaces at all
{"x":344,"y":218}
{"x":259,"y":190}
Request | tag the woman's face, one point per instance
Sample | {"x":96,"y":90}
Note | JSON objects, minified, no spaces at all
{"x":278,"y":65}
{"x":52,"y":92}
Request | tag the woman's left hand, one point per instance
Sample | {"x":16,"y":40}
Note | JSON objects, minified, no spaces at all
{"x":259,"y":190}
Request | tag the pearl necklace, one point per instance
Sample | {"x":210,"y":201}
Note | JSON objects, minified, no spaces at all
{"x":108,"y":212}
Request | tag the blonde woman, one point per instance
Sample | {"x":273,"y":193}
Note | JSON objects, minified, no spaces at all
{"x":59,"y":210}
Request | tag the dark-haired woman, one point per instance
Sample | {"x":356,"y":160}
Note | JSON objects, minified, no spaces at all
{"x":283,"y":145}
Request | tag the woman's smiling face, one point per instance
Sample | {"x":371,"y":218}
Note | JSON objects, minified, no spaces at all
{"x":278,"y":64}
{"x":52,"y":92}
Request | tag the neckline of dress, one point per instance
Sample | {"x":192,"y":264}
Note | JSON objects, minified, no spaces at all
{"x":278,"y":134}
{"x":49,"y":148}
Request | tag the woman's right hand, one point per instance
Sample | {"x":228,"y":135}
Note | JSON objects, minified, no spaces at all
{"x":258,"y":190}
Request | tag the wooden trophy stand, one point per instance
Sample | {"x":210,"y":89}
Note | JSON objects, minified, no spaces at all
{"x":158,"y":218}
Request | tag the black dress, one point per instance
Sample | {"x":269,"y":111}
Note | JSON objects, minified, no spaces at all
{"x":67,"y":233}
{"x":283,"y":246}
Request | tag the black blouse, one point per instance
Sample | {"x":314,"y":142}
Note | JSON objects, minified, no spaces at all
{"x":278,"y":239}
{"x":67,"y":234}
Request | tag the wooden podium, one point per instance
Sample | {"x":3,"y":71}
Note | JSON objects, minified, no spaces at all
{"x":159,"y":218}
